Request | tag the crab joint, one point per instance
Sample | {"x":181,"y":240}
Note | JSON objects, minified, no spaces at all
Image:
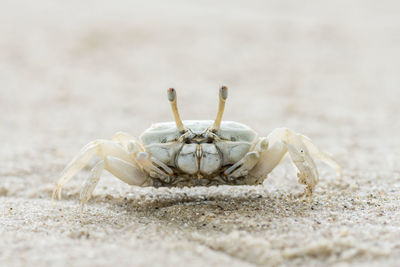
{"x":147,"y":163}
{"x":223,"y":95}
{"x":174,"y":106}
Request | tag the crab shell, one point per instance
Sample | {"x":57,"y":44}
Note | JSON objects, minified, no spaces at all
{"x":201,"y":153}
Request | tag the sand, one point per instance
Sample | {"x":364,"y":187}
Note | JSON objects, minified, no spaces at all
{"x":75,"y":71}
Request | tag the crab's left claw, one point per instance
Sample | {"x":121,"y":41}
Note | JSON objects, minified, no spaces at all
{"x":302,"y":152}
{"x":308,"y":172}
{"x":318,"y":154}
{"x":242,"y":167}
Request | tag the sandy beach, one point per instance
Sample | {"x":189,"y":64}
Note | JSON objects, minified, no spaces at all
{"x":75,"y":71}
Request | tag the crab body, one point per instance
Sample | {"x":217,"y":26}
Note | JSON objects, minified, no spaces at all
{"x":196,"y":153}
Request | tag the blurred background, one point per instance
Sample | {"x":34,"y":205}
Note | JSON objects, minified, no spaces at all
{"x":74,"y":71}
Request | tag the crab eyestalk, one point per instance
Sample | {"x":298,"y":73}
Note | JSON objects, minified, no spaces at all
{"x":223,"y":95}
{"x":174,"y":106}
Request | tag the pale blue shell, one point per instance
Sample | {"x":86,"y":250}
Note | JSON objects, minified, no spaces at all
{"x":166,"y":131}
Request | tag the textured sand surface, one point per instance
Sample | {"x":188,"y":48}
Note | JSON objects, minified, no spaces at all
{"x":76,"y":71}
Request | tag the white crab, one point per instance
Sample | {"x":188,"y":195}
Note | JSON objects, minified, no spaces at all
{"x":196,"y":153}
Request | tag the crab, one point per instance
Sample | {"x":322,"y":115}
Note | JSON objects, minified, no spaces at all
{"x":196,"y":153}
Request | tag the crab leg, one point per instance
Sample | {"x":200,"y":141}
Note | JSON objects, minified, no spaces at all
{"x":123,"y":170}
{"x":126,"y":140}
{"x":147,"y":162}
{"x":269,"y":159}
{"x":133,"y":146}
{"x":162,"y":165}
{"x":318,"y":154}
{"x":242,"y":167}
{"x":101,"y":148}
{"x":90,"y":183}
{"x":283,"y":140}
